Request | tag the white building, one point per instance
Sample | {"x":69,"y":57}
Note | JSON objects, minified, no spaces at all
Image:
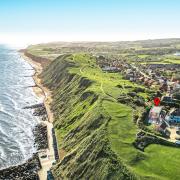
{"x":156,"y":115}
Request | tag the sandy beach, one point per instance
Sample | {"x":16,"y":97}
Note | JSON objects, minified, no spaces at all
{"x":44,"y":93}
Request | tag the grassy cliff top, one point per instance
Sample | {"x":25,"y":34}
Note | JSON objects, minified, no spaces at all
{"x":95,"y":132}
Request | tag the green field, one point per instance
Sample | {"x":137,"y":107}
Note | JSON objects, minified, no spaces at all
{"x":174,"y":61}
{"x":157,"y":162}
{"x":143,"y":56}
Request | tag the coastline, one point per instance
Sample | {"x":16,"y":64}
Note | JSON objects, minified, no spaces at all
{"x":27,"y":170}
{"x":39,"y":89}
{"x":44,"y":93}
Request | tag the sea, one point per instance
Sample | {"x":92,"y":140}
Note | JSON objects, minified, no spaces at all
{"x":16,"y":123}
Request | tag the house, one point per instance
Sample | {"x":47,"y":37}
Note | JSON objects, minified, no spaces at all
{"x":161,"y":80}
{"x":167,"y":99}
{"x":177,"y":54}
{"x":156,"y":115}
{"x":176,"y":85}
{"x":153,"y":75}
{"x":150,"y":82}
{"x":110,"y":69}
{"x":149,"y":71}
{"x":130,"y":75}
{"x":146,"y":81}
{"x":141,"y":79}
{"x":164,"y":87}
{"x":128,"y":71}
{"x":163,"y":128}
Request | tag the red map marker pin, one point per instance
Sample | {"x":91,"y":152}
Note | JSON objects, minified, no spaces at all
{"x":156,"y":101}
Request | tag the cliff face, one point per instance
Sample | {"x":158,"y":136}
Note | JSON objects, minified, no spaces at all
{"x":43,"y":61}
{"x":81,"y":122}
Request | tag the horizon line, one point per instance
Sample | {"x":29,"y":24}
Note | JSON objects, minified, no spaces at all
{"x":25,"y":42}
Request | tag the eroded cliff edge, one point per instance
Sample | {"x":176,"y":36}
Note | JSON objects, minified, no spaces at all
{"x":80,"y":121}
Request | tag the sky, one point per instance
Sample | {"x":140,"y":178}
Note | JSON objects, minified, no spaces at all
{"x":37,"y":21}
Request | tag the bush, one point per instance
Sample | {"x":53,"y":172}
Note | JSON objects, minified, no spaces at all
{"x":176,"y":95}
{"x":132,"y":94}
{"x":138,"y":89}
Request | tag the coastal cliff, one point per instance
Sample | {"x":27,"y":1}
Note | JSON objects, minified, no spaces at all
{"x":97,"y":116}
{"x":80,"y":122}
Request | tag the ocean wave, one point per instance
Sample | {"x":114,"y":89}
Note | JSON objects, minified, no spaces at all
{"x":6,"y":113}
{"x":8,"y":100}
{"x":16,"y":123}
{"x":1,"y":107}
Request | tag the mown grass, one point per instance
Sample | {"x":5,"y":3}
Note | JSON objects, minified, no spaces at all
{"x":172,"y":61}
{"x":161,"y":161}
{"x":143,"y":56}
{"x":157,"y":162}
{"x":121,"y":130}
{"x":164,"y":60}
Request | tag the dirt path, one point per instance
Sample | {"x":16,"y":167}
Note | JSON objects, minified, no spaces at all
{"x":42,"y":91}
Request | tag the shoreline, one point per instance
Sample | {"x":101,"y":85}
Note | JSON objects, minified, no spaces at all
{"x":39,"y":89}
{"x":46,"y":155}
{"x":27,"y":170}
{"x":43,"y":92}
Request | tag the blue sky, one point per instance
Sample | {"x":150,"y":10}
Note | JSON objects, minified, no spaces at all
{"x":101,"y":20}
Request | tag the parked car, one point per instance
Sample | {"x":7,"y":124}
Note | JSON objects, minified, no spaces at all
{"x":50,"y":175}
{"x":177,"y":142}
